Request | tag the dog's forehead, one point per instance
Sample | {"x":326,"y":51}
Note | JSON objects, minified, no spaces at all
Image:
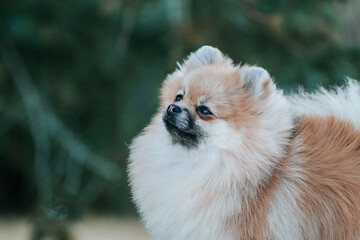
{"x":210,"y":81}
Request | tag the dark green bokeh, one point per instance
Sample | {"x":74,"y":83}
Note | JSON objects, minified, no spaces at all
{"x":98,"y":66}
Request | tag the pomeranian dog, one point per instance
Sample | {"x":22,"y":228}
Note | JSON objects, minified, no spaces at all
{"x":229,"y":156}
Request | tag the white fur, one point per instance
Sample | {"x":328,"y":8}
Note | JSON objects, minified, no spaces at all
{"x":170,"y":184}
{"x":341,"y":102}
{"x":285,"y":216}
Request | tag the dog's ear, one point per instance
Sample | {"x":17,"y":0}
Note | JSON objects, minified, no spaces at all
{"x":256,"y":80}
{"x":206,"y":55}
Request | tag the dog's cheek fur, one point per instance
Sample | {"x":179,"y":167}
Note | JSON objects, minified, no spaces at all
{"x":170,"y":88}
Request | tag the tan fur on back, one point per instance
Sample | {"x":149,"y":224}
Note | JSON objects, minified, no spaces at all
{"x":331,"y":186}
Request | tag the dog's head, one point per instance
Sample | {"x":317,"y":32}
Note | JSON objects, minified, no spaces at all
{"x":210,"y":99}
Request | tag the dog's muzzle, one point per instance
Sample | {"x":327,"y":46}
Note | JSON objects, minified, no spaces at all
{"x":180,"y":123}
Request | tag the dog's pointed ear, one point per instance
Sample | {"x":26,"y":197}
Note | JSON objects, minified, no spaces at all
{"x":206,"y":55}
{"x":256,"y":80}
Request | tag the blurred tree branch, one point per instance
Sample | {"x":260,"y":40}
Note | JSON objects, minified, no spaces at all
{"x":127,"y":27}
{"x":44,"y":123}
{"x":5,"y":125}
{"x":257,"y":17}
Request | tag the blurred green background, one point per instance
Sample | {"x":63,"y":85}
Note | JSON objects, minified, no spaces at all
{"x":79,"y":79}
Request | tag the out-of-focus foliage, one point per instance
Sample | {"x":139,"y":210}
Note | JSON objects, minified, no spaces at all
{"x":97,"y":66}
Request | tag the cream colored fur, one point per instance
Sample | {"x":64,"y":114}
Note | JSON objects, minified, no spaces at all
{"x":185,"y":194}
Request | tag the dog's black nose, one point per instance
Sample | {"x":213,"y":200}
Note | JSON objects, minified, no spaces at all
{"x":173,"y":109}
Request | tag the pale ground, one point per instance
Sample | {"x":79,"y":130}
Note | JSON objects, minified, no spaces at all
{"x":90,"y":228}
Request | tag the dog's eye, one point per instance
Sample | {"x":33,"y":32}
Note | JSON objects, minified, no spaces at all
{"x":203,"y":110}
{"x":179,"y":97}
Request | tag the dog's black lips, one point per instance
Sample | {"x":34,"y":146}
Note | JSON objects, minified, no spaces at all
{"x":189,"y":136}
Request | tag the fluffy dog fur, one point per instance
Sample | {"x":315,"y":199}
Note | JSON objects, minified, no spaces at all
{"x":260,"y":165}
